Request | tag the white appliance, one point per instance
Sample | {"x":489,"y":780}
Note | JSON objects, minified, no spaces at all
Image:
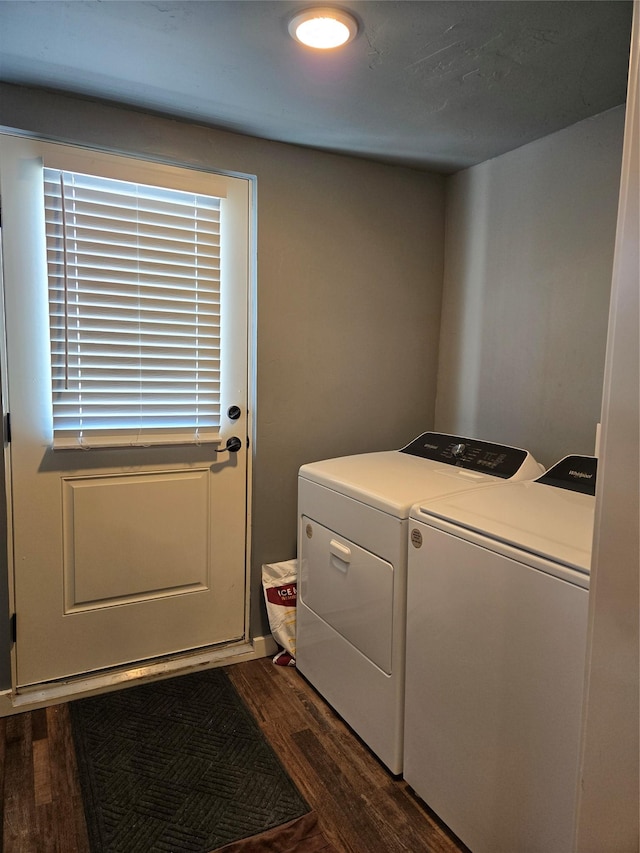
{"x":496,"y":641}
{"x":352,"y":551}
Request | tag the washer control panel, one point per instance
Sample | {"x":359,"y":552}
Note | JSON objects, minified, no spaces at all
{"x":574,"y":473}
{"x":499,"y":460}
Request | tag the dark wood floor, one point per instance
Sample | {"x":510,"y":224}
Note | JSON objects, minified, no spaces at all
{"x":360,"y":807}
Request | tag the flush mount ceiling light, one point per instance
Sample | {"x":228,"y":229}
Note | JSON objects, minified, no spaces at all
{"x":323,"y":27}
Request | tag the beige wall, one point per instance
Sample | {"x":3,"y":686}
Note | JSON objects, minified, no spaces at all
{"x":528,"y":260}
{"x":349,"y":282}
{"x":608,"y":819}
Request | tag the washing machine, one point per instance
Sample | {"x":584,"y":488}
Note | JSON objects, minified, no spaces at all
{"x":496,"y":640}
{"x":352,"y":552}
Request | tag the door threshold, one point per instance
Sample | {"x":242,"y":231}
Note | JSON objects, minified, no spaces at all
{"x":53,"y":693}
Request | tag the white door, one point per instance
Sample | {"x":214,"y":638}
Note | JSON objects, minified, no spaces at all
{"x":127,"y":544}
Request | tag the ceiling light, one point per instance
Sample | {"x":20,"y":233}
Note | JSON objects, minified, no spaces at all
{"x":323,"y":28}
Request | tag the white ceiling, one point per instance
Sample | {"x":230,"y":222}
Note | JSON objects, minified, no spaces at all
{"x":440,"y":84}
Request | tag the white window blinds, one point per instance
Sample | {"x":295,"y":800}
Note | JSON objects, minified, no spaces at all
{"x":134,"y":305}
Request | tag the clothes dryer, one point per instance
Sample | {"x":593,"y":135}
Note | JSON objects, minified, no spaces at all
{"x":352,"y":552}
{"x":496,"y":642}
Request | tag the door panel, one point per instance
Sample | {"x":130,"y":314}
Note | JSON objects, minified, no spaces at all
{"x":125,"y":553}
{"x":134,"y":537}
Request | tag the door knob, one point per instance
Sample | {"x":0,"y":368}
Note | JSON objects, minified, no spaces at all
{"x":233,"y":445}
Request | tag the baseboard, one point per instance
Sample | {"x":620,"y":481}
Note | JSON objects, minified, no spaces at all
{"x":40,"y":696}
{"x":264,"y":647}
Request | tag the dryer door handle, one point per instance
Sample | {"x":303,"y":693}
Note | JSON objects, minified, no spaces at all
{"x":340,"y":551}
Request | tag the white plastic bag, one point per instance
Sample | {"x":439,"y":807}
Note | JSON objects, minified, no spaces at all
{"x":279,"y":581}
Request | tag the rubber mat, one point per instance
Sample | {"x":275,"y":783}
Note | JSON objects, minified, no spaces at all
{"x":177,"y":765}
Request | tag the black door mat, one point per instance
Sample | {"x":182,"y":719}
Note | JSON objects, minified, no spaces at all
{"x":177,"y":766}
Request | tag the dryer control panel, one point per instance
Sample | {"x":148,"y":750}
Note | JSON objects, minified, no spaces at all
{"x":499,"y":460}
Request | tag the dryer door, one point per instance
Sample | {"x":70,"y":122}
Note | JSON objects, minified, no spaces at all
{"x":349,"y":588}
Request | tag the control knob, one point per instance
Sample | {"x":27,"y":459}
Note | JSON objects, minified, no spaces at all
{"x":458,"y":450}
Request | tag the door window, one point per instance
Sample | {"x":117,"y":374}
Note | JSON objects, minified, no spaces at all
{"x":134,"y":308}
